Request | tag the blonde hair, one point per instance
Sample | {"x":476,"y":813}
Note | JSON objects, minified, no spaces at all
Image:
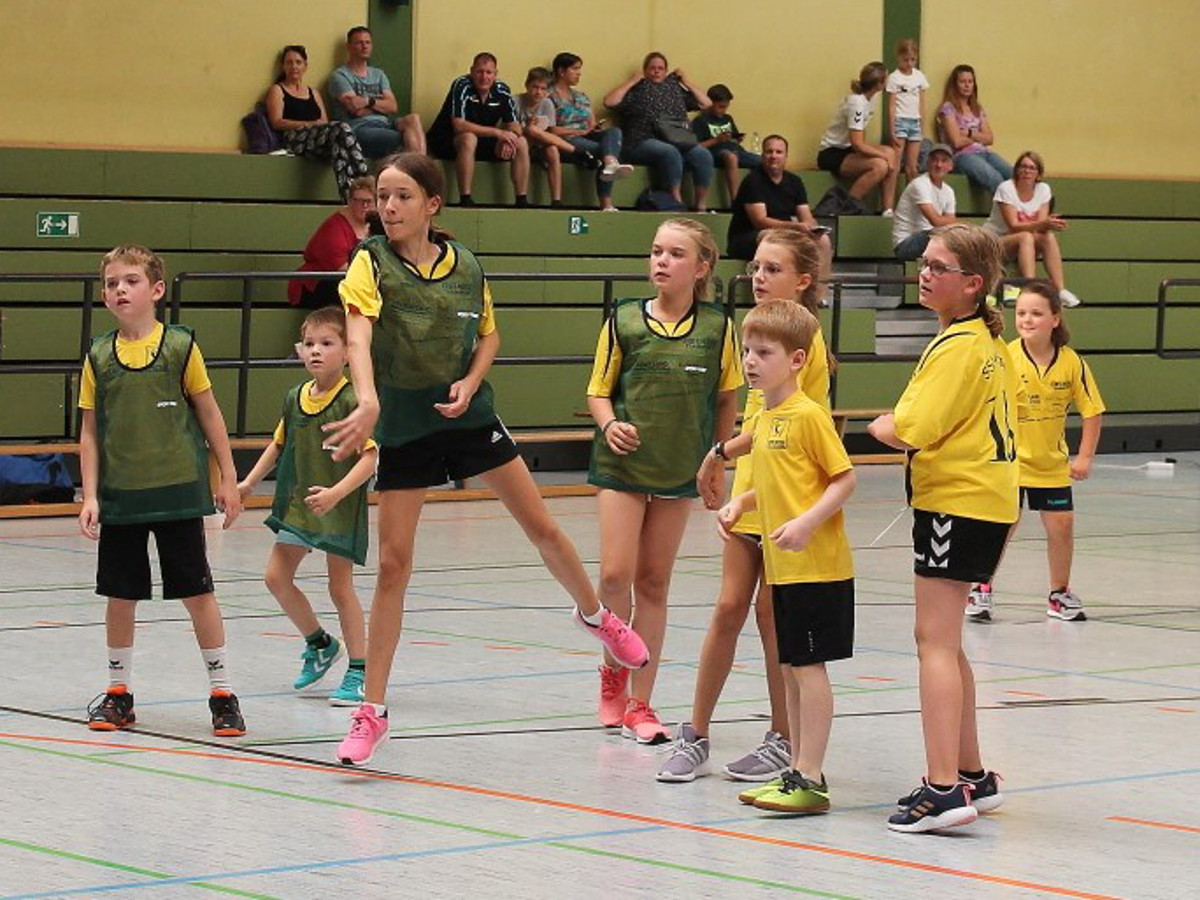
{"x":978,"y":253}
{"x":806,"y":259}
{"x":326,"y":317}
{"x":1034,"y":157}
{"x":706,"y":250}
{"x":908,"y":45}
{"x":872,"y":75}
{"x":135,"y":255}
{"x":361,"y":183}
{"x":784,"y":321}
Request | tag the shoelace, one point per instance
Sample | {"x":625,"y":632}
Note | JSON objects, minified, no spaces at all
{"x":683,"y":747}
{"x":610,"y":682}
{"x":359,"y":725}
{"x":769,"y":752}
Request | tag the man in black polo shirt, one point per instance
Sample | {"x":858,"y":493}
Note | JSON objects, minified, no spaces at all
{"x":478,"y":120}
{"x":772,"y":197}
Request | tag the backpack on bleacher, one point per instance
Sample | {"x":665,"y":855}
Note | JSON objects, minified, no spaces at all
{"x":838,"y":202}
{"x":260,"y":136}
{"x":651,"y":200}
{"x":36,"y":478}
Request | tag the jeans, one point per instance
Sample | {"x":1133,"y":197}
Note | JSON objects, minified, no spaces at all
{"x":746,"y":159}
{"x":986,"y":169}
{"x":913,"y":246}
{"x":668,"y":163}
{"x":605,"y":143}
{"x":378,"y":141}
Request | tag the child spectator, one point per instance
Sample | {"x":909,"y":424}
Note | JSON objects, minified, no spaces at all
{"x":716,"y":130}
{"x":906,"y":88}
{"x":537,"y":116}
{"x":149,"y":423}
{"x":802,"y":478}
{"x":319,"y":505}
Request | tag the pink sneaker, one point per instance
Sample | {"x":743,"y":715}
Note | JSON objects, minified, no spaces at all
{"x":367,"y":732}
{"x":642,"y":725}
{"x":613,"y":696}
{"x":625,"y":644}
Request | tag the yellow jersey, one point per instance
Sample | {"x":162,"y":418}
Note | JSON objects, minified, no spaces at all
{"x":813,"y":379}
{"x":138,"y":355}
{"x":959,"y":413}
{"x":312,"y":405}
{"x":797,"y":452}
{"x":1042,"y":412}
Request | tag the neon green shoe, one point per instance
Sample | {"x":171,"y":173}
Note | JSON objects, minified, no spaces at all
{"x":797,"y":795}
{"x":749,"y":795}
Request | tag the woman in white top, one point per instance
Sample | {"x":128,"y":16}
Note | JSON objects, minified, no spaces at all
{"x":1021,"y":218}
{"x":844,"y":148}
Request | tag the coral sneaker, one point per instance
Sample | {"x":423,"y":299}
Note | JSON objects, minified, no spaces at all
{"x":367,"y":731}
{"x":642,"y":724}
{"x":625,"y":645}
{"x":613,"y":696}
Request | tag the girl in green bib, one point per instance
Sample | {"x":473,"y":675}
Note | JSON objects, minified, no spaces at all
{"x":422,"y":336}
{"x":663,"y":386}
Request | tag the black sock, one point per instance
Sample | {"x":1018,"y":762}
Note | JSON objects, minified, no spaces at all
{"x":465,"y":200}
{"x":522,"y":201}
{"x":972,"y":776}
{"x":941,"y":788}
{"x":360,"y":664}
{"x":319,"y":638}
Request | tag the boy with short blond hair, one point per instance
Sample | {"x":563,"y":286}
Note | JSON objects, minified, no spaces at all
{"x":149,"y":422}
{"x":802,"y":478}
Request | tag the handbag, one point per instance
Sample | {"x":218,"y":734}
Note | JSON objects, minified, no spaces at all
{"x":260,"y":136}
{"x":681,"y":137}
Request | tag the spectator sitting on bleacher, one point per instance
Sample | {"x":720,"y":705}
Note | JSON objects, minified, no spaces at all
{"x":845,"y":150}
{"x":332,"y":245}
{"x":963,"y":124}
{"x":297,"y":112}
{"x":926,"y":203}
{"x":536,"y":114}
{"x":772,"y":197}
{"x":716,"y":130}
{"x":362,"y":95}
{"x":576,"y":124}
{"x":1021,"y":218}
{"x":478,"y":121}
{"x":654,"y":106}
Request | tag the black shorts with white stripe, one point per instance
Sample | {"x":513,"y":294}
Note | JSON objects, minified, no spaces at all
{"x":956,"y":548}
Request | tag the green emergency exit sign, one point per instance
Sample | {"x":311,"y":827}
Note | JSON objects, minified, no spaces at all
{"x":57,"y":225}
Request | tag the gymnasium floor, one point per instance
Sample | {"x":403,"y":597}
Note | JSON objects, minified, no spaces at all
{"x":498,"y":782}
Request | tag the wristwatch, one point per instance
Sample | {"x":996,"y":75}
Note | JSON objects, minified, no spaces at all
{"x":718,"y":450}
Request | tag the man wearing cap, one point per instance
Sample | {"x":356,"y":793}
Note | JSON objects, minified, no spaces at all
{"x":926,"y":203}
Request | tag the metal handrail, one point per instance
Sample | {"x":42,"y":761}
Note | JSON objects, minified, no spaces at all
{"x":1160,"y":322}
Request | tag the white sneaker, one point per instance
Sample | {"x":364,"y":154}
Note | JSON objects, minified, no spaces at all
{"x":1065,"y":605}
{"x":980,"y":603}
{"x":1068,"y":299}
{"x":615,"y":171}
{"x":888,"y":213}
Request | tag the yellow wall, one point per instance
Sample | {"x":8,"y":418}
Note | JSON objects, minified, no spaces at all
{"x":166,"y":73}
{"x":1097,"y":86}
{"x":788,"y":66}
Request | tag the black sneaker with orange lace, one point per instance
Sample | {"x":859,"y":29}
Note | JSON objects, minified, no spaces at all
{"x":226,"y":714}
{"x":111,"y":710}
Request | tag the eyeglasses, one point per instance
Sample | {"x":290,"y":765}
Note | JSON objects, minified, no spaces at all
{"x":769,"y":269}
{"x":938,"y":269}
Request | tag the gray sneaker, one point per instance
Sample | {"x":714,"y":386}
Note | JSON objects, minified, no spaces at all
{"x":689,"y":756}
{"x":767,"y":761}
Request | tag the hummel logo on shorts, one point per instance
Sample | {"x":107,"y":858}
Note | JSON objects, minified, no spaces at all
{"x":497,"y":436}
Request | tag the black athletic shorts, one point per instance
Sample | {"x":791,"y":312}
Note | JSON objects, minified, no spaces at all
{"x":1055,"y":499}
{"x":450,"y":455}
{"x":814,"y":621}
{"x":956,"y":548}
{"x":123,"y":571}
{"x":831,"y":158}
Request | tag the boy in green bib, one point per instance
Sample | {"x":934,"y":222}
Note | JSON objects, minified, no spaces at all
{"x":149,"y":422}
{"x":319,"y":505}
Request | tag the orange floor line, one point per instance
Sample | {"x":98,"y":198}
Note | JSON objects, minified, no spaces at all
{"x":1168,"y":826}
{"x":592,"y":810}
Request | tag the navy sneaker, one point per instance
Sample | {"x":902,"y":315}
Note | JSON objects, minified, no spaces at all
{"x":927,"y":809}
{"x":985,"y":793}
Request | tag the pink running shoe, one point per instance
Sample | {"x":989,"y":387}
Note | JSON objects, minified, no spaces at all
{"x":367,"y":732}
{"x":642,"y":724}
{"x":625,"y":644}
{"x":613,"y":696}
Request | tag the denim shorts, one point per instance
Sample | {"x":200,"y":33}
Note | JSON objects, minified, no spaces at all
{"x":909,"y":129}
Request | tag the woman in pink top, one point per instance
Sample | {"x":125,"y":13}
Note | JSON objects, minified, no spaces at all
{"x":963,"y":124}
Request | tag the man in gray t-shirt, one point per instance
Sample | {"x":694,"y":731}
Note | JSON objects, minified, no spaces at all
{"x":362,"y":95}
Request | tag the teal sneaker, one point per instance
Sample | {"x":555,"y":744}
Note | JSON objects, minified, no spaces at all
{"x":317,"y":663}
{"x":350,"y":693}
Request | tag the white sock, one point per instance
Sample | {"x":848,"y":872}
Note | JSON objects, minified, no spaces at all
{"x":120,"y":666}
{"x":595,"y":619}
{"x":218,"y":675}
{"x":380,"y":708}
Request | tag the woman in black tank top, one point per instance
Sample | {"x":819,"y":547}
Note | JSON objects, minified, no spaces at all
{"x":297,"y":112}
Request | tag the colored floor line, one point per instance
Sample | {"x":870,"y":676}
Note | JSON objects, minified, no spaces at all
{"x":477,"y":791}
{"x":1149,"y":823}
{"x":160,"y":877}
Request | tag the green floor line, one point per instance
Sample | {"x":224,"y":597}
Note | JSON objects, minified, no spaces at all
{"x":121,"y":867}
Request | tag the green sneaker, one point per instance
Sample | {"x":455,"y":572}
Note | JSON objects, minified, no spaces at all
{"x":797,"y":795}
{"x":317,"y":663}
{"x":350,"y":693}
{"x":749,"y":795}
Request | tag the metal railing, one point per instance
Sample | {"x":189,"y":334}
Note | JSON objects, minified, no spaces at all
{"x":1160,"y":322}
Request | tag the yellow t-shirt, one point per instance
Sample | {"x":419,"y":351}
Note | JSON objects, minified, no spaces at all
{"x":959,"y":411}
{"x":797,"y":452}
{"x":138,"y":355}
{"x":813,"y":379}
{"x":1042,"y":412}
{"x":312,"y":404}
{"x":606,"y":370}
{"x":360,"y":288}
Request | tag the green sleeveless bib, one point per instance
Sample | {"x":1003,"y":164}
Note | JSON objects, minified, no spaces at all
{"x":153,"y":456}
{"x":422,"y":343}
{"x":668,"y":389}
{"x":343,"y":530}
